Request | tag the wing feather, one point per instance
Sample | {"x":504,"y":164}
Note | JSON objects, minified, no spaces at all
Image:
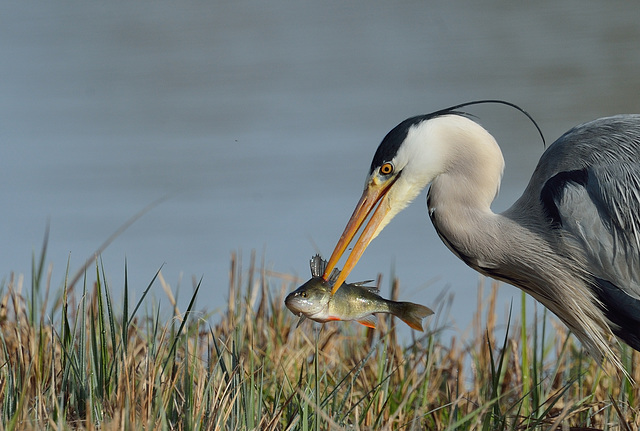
{"x":591,"y":195}
{"x":597,"y":200}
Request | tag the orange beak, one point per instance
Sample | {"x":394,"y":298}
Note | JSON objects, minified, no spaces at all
{"x":372,"y":195}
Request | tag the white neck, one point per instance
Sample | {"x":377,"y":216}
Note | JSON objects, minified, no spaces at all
{"x":508,"y":246}
{"x":472,"y":163}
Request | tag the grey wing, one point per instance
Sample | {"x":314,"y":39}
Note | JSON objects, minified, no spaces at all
{"x":599,"y":208}
{"x":595,"y":206}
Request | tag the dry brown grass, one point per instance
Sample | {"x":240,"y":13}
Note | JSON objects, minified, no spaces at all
{"x":73,"y":363}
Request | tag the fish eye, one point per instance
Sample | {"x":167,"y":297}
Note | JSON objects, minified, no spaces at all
{"x":303,"y":294}
{"x":386,"y":168}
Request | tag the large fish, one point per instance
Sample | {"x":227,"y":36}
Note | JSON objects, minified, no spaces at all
{"x":353,"y":301}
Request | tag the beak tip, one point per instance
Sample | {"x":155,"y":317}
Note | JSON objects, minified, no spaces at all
{"x":368,"y":201}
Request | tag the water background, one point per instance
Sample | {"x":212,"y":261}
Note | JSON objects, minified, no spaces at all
{"x":259,"y":120}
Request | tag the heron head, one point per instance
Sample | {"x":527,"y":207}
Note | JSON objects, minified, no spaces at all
{"x":415,"y":153}
{"x":406,"y":161}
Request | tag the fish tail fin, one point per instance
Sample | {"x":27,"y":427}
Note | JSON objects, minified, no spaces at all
{"x":410,"y":313}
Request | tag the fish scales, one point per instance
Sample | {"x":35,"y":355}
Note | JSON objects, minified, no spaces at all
{"x":353,"y":301}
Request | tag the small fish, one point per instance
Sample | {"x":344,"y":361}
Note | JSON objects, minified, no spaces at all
{"x":353,"y":301}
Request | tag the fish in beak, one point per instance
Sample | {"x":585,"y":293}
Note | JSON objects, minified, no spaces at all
{"x":355,"y":301}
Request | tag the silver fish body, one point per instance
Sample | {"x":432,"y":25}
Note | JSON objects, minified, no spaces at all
{"x":353,"y":301}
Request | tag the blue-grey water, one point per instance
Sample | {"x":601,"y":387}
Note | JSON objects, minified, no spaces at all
{"x":258,"y":121}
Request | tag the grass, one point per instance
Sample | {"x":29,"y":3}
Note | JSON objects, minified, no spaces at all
{"x":72,"y":359}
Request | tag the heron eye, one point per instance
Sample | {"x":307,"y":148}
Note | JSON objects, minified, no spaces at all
{"x":386,"y":169}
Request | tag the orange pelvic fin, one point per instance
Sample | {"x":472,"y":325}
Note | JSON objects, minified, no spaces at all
{"x":368,"y":321}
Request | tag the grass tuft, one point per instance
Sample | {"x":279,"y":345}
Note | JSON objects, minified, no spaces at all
{"x":77,"y":363}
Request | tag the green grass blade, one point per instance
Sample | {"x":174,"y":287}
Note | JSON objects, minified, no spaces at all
{"x":184,"y":322}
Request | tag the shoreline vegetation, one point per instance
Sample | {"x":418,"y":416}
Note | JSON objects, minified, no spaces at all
{"x":71,"y":358}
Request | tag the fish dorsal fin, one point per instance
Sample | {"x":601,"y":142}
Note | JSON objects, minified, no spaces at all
{"x":362,"y":283}
{"x":317,"y":265}
{"x":372,"y":289}
{"x":334,"y":275}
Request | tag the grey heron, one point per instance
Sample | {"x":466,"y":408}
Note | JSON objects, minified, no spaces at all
{"x":572,"y":240}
